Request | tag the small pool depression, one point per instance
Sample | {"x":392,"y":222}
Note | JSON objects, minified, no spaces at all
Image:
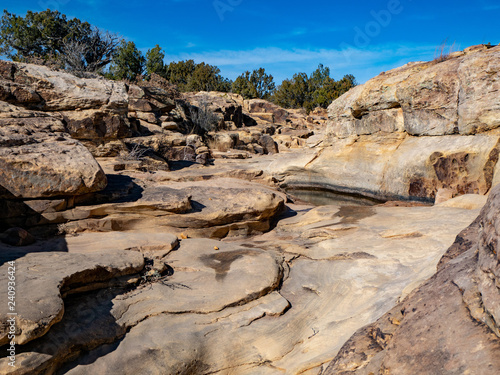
{"x":321,"y":197}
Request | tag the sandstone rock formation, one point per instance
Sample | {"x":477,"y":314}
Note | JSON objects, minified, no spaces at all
{"x":150,"y":260}
{"x":92,"y":107}
{"x":414,"y":130}
{"x":39,"y":159}
{"x":250,"y":305}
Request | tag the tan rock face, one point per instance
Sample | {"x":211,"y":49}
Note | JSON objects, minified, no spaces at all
{"x":287,"y":299}
{"x":262,"y":109}
{"x":436,"y":98}
{"x":60,"y":91}
{"x":43,"y":277}
{"x":224,"y":105}
{"x":39,"y":159}
{"x":92,"y":108}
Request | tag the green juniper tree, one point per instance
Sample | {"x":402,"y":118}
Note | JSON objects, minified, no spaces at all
{"x":257,"y":84}
{"x":154,"y":62}
{"x":128,"y":62}
{"x":49,"y":37}
{"x":316,"y":90}
{"x":180,"y":72}
{"x":207,"y":77}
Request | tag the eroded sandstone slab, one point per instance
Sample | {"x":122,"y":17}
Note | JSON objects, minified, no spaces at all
{"x":344,"y":267}
{"x":41,"y":279}
{"x":226,"y":284}
{"x":449,"y":324}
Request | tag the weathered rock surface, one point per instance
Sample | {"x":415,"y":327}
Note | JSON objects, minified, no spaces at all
{"x":398,"y":166}
{"x":39,"y":159}
{"x":199,"y":271}
{"x":448,"y":325}
{"x":59,"y":91}
{"x":222,"y":105}
{"x":331,"y":285}
{"x":427,"y":98}
{"x":245,"y":306}
{"x":91,"y":107}
{"x":17,"y":237}
{"x":217,"y":208}
{"x":136,"y":287}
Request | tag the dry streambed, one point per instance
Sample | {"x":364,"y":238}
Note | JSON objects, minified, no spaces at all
{"x":147,"y":299}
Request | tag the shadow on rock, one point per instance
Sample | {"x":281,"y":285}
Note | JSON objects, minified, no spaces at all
{"x":87,"y":324}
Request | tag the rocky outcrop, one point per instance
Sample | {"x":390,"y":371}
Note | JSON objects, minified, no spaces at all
{"x":427,"y":98}
{"x":216,"y":209}
{"x":288,"y":128}
{"x":160,"y":270}
{"x":415,"y":132}
{"x":39,"y":159}
{"x":92,"y":108}
{"x":115,"y":118}
{"x":228,"y":110}
{"x":449,"y":324}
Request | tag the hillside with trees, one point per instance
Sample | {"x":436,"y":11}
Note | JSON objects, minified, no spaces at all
{"x":50,"y":38}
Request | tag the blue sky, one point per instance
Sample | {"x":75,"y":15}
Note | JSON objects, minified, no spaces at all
{"x":359,"y":37}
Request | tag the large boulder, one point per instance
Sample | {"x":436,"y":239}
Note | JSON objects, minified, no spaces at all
{"x":61,"y":91}
{"x":39,"y":159}
{"x":228,"y":109}
{"x":92,"y":108}
{"x":266,"y":110}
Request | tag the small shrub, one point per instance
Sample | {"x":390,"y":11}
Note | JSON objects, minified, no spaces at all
{"x":137,"y":153}
{"x":203,"y":118}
